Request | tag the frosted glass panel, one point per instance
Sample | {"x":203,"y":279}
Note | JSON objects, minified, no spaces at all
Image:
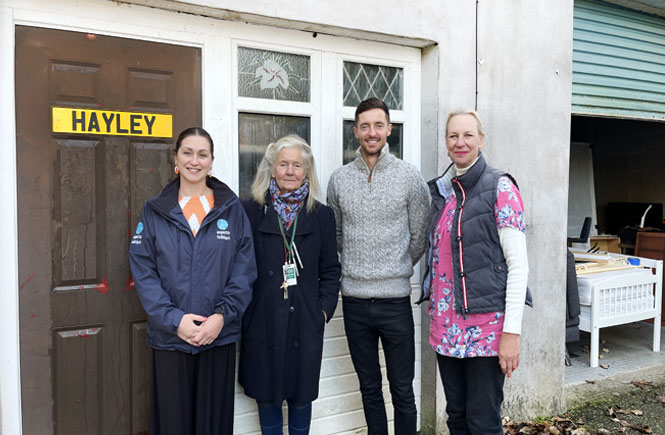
{"x":351,"y":144}
{"x":273,"y":75}
{"x":362,"y":81}
{"x":255,"y":132}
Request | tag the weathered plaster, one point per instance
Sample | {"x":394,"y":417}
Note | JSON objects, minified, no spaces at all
{"x":524,"y":95}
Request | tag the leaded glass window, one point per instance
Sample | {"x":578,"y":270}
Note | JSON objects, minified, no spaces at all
{"x":255,"y":132}
{"x":351,"y":143}
{"x":362,"y":81}
{"x":273,"y":75}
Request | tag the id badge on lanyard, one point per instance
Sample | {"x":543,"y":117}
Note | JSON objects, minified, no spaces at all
{"x":289,"y":270}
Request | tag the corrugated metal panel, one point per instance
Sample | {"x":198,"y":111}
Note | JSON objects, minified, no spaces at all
{"x":618,"y":62}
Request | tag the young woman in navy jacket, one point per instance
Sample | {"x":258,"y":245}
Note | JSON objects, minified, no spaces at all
{"x":192,"y":260}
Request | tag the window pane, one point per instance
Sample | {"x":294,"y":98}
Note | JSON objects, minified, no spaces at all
{"x":273,"y":75}
{"x":255,"y":132}
{"x":351,"y":144}
{"x":362,"y":81}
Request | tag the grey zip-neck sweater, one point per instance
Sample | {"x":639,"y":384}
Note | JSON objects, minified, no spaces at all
{"x":381,"y":219}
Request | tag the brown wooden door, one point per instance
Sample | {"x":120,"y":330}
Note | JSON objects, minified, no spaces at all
{"x":84,"y":362}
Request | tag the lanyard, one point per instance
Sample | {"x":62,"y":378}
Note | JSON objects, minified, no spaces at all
{"x":288,"y":245}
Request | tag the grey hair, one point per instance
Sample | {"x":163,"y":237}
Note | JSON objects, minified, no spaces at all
{"x":264,"y":173}
{"x":479,"y":123}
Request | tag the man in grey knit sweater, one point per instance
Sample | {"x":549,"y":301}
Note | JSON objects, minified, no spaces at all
{"x":380,"y":204}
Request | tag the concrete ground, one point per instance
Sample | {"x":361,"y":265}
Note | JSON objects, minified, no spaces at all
{"x":625,"y":395}
{"x":629,"y":357}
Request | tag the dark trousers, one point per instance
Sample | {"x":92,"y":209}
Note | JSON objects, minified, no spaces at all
{"x":474,"y":392}
{"x":270,"y":418}
{"x":192,"y":394}
{"x":391,"y":320}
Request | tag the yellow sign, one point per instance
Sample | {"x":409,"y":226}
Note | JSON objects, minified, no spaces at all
{"x":86,"y":121}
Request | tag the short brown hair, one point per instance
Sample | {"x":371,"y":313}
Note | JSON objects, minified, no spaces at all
{"x":372,"y":103}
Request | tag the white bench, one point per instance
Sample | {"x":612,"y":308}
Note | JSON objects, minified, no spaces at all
{"x":620,"y":297}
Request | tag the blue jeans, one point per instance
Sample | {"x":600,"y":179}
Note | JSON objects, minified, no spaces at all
{"x":391,"y":320}
{"x":270,"y":418}
{"x":474,"y":392}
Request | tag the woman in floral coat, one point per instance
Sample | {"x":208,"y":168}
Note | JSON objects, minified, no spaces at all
{"x":476,"y":279}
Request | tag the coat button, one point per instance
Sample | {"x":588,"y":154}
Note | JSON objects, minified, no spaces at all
{"x":292,"y":309}
{"x":270,"y":273}
{"x":295,"y":345}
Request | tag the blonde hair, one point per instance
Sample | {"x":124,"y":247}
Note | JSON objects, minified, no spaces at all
{"x":479,"y":123}
{"x":264,"y":173}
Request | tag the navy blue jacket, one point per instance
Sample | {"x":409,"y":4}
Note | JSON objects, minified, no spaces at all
{"x":176,"y":273}
{"x":282,"y":340}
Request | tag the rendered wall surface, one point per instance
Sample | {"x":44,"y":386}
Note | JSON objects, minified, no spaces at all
{"x":524,"y":95}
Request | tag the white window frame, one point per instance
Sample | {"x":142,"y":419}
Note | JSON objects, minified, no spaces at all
{"x":275,"y":107}
{"x":347,"y":113}
{"x":326,"y":109}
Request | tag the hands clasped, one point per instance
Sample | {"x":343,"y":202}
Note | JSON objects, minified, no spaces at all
{"x":202,"y":334}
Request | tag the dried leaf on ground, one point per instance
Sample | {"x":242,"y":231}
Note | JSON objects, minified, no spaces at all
{"x":605,"y":366}
{"x":612,"y":411}
{"x":657,"y":399}
{"x":640,"y":383}
{"x":556,"y":426}
{"x":626,"y":425}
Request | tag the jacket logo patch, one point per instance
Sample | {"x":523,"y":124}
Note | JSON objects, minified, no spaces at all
{"x":222,"y":224}
{"x":136,"y":240}
{"x":222,"y":232}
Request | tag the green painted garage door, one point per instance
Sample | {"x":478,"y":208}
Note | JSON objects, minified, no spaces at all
{"x":618,"y":62}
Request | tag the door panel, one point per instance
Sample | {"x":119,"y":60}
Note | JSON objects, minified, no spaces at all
{"x":84,"y":361}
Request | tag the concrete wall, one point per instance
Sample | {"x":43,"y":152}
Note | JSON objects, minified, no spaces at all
{"x":524,"y":95}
